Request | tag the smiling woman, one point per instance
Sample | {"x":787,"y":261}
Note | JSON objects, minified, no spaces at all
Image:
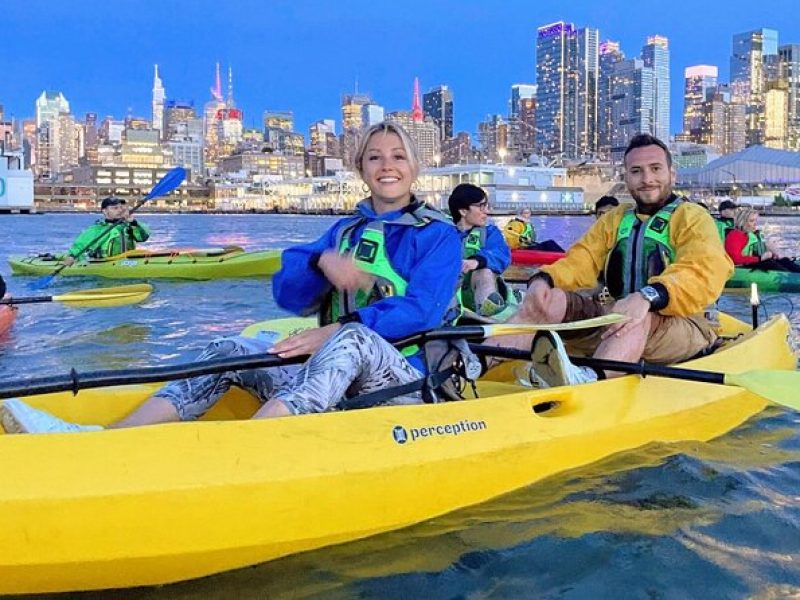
{"x":384,"y":274}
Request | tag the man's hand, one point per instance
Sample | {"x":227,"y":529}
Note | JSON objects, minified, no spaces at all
{"x":635,"y":307}
{"x":305,"y":342}
{"x":69,"y":261}
{"x":468,"y":265}
{"x":343,"y":273}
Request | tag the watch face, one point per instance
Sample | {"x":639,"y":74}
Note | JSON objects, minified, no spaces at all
{"x":649,"y":293}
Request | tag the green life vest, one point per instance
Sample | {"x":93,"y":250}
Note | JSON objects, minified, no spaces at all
{"x":371,"y":257}
{"x":642,"y":250}
{"x":528,"y":234}
{"x":474,"y":241}
{"x":723,"y":225}
{"x":755,"y":244}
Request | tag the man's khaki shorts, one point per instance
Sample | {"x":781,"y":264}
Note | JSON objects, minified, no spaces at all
{"x":672,"y":339}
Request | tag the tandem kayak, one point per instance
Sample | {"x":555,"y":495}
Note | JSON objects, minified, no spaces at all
{"x":767,"y":281}
{"x":171,"y":502}
{"x":204,"y":263}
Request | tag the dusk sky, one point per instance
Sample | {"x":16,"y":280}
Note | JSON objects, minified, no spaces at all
{"x":302,"y":55}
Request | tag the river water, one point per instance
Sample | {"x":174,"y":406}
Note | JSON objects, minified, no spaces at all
{"x":713,"y":520}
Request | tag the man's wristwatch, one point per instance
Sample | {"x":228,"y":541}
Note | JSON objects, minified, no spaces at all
{"x":650,"y":294}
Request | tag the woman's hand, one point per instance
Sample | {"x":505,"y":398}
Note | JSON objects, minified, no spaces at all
{"x":305,"y":342}
{"x":342,"y":272}
{"x":767,"y":255}
{"x":468,"y":265}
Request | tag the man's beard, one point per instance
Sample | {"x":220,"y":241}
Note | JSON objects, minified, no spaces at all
{"x":651,"y":209}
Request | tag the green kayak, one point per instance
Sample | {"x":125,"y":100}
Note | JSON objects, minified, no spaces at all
{"x":767,"y":281}
{"x":203,"y":263}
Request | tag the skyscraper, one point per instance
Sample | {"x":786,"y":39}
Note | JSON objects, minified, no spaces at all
{"x":371,"y":114}
{"x":352,"y":123}
{"x":159,"y":94}
{"x":631,"y":103}
{"x":587,"y":66}
{"x":609,"y":55}
{"x":555,"y":76}
{"x":566,"y":74}
{"x":211,"y":113}
{"x":789,"y":71}
{"x":655,"y":55}
{"x":700,"y":81}
{"x":438,"y":104}
{"x":753,"y":62}
{"x":49,"y":105}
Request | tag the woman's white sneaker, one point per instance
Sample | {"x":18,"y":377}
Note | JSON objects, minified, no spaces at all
{"x":18,"y":417}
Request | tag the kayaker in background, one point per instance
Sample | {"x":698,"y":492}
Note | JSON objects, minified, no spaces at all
{"x":662,"y":262}
{"x":520,"y":233}
{"x":123,"y":233}
{"x":485,"y":252}
{"x":386,"y":273}
{"x":603,"y":205}
{"x":727,"y":213}
{"x":747,"y":247}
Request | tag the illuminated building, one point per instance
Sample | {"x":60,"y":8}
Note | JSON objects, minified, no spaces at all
{"x":438,"y":105}
{"x":700,"y":81}
{"x":753,"y":62}
{"x":566,"y":76}
{"x":789,"y":58}
{"x":159,"y":94}
{"x":655,"y":55}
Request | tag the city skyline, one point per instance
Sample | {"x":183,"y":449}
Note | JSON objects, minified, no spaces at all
{"x":267,"y":61}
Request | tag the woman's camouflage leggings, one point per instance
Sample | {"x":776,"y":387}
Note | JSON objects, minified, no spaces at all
{"x":354,"y":360}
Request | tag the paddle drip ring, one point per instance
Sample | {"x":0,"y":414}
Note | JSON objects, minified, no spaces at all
{"x":73,"y":375}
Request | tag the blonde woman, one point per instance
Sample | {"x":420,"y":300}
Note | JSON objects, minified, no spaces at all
{"x":387,"y":272}
{"x":747,"y":247}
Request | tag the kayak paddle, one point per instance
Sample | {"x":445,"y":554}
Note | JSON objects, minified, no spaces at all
{"x":165,"y":185}
{"x":775,"y":385}
{"x":93,"y":298}
{"x":75,"y":381}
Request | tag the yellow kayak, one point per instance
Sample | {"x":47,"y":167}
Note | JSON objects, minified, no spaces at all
{"x":165,"y":503}
{"x":177,"y":263}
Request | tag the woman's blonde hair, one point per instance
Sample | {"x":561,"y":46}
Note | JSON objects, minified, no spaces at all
{"x":742,"y":215}
{"x":405,"y":140}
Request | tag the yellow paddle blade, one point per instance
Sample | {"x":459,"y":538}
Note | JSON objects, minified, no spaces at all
{"x":780,"y":387}
{"x":518,"y":328}
{"x":106,"y":297}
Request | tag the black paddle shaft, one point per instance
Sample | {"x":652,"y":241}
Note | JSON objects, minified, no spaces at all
{"x":74,"y":381}
{"x":640,"y":368}
{"x":26,"y":300}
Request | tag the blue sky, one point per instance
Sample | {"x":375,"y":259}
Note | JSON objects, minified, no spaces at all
{"x":303,"y":54}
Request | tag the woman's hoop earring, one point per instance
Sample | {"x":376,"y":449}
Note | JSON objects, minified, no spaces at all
{"x":365,"y":188}
{"x":414,"y":187}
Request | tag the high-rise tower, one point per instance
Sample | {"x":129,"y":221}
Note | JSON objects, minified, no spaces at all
{"x":416,"y":106}
{"x":655,"y":55}
{"x":438,"y":104}
{"x":159,"y":94}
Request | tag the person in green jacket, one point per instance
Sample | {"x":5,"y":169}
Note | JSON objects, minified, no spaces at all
{"x":122,"y":233}
{"x":724,"y":222}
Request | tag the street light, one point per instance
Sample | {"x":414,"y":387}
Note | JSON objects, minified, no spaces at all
{"x":732,"y":174}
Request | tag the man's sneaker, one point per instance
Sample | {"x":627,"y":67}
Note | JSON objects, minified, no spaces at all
{"x":525,"y":375}
{"x":492,"y":305}
{"x":551,"y":363}
{"x":18,"y":417}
